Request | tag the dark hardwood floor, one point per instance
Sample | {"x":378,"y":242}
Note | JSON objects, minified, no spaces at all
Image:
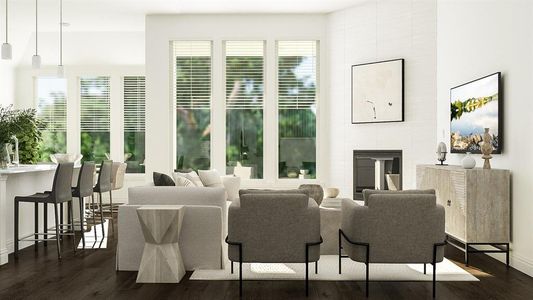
{"x":91,"y":274}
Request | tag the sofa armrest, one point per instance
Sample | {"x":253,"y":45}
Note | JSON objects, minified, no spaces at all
{"x":354,"y":220}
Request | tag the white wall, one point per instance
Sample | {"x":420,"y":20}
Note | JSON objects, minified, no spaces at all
{"x":161,"y":29}
{"x":375,"y":31}
{"x":477,"y":39}
{"x":7,"y":76}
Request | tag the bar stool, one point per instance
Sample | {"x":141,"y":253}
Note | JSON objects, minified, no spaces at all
{"x":84,"y":188}
{"x":103,"y":185}
{"x":61,"y":193}
{"x":117,"y":182}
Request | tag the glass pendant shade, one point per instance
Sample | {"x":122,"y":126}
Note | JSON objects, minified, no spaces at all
{"x":36,"y":61}
{"x":6,"y":51}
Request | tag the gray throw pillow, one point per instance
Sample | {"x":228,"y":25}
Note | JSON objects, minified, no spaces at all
{"x":161,"y":179}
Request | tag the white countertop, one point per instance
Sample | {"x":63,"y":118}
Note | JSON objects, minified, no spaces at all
{"x":29,"y":169}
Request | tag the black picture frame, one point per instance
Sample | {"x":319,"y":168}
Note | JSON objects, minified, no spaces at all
{"x":402,"y":119}
{"x":499,"y":149}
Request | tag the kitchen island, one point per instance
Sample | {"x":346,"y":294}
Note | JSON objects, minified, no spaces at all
{"x":20,"y":181}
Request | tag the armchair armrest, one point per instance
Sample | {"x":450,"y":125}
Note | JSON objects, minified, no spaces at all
{"x":354,"y":220}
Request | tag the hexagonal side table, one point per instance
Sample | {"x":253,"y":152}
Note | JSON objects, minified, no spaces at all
{"x":161,"y":261}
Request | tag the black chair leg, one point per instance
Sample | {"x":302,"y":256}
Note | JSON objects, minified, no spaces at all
{"x":71,"y":223}
{"x":45,"y":223}
{"x":367,"y":269}
{"x":316,"y":267}
{"x":82,"y":213}
{"x":240,"y":270}
{"x":100,"y":202}
{"x":36,"y":224}
{"x":16,"y":233}
{"x":231,"y":267}
{"x":306,"y":270}
{"x":61,"y":218}
{"x":111,"y":212}
{"x":434,"y":270}
{"x":94,"y":216}
{"x":425,"y":269}
{"x":340,"y":247}
{"x":57,"y":231}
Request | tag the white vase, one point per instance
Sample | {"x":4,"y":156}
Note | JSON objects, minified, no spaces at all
{"x":468,"y":161}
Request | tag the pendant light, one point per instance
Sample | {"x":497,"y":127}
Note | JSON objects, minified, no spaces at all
{"x":60,"y":68}
{"x":36,"y":58}
{"x":6,"y":47}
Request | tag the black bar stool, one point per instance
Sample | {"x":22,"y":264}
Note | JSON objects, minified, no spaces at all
{"x":103,"y":185}
{"x":61,"y":193}
{"x":83,"y":189}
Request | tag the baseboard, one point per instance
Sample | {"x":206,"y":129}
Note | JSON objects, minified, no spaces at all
{"x":3,"y":256}
{"x":522,"y":264}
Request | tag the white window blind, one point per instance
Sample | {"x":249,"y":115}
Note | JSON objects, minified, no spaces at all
{"x":297,"y":74}
{"x":52,"y":103}
{"x":134,"y":103}
{"x":192,"y":74}
{"x":95,"y":104}
{"x":244,"y":74}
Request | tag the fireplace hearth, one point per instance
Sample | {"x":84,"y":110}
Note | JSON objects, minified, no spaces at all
{"x":376,"y":169}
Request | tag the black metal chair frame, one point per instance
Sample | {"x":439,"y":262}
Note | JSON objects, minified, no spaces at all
{"x":58,"y":228}
{"x":307,"y":245}
{"x":367,"y":257}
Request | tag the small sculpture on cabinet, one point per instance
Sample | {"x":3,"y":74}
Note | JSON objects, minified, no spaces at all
{"x":486,"y":149}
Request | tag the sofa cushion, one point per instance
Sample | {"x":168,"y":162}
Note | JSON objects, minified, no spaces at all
{"x":232,"y":185}
{"x":161,"y":179}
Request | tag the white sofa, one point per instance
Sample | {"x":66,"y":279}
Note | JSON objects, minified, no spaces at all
{"x":203,"y":228}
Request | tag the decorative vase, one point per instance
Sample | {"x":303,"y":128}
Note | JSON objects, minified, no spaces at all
{"x":5,"y":160}
{"x":469,"y":162}
{"x":332,"y":192}
{"x":486,"y":148}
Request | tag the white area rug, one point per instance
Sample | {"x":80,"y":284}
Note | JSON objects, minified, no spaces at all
{"x":328,"y":269}
{"x":95,"y":243}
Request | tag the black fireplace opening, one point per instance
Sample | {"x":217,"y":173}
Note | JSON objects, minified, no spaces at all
{"x":376,"y":169}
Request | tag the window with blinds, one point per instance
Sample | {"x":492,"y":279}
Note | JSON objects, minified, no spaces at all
{"x":95,"y":117}
{"x":244,"y":74}
{"x":51,"y":105}
{"x":134,"y":123}
{"x":297,"y":98}
{"x":192,"y":94}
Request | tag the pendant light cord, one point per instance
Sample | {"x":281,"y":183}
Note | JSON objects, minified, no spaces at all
{"x":60,"y":32}
{"x":6,"y":21}
{"x":36,"y":28}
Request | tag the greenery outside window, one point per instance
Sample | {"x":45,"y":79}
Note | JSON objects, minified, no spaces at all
{"x":134,"y":123}
{"x":297,"y":93}
{"x":192,"y":93}
{"x":95,"y":118}
{"x":52,"y":110}
{"x":244,"y":74}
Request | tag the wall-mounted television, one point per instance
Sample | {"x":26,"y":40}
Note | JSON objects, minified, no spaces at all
{"x":474,"y":106}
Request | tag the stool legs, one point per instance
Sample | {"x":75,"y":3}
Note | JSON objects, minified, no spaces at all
{"x":101,"y":213}
{"x":57,"y":231}
{"x":16,"y":240}
{"x":61,"y":218}
{"x":71,"y":225}
{"x":36,"y":223}
{"x":112,"y":216}
{"x":94,"y":216}
{"x":45,"y":223}
{"x":82,"y":210}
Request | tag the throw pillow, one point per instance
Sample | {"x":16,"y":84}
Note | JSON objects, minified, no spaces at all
{"x":182,"y":181}
{"x":161,"y":179}
{"x":232,"y":185}
{"x":210,"y":178}
{"x":192,"y":176}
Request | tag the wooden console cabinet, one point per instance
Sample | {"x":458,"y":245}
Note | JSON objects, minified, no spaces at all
{"x":477,"y":203}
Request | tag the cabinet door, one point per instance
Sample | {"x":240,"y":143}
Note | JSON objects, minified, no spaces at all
{"x":456,"y":210}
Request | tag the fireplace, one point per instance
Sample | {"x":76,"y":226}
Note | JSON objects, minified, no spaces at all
{"x":376,"y":169}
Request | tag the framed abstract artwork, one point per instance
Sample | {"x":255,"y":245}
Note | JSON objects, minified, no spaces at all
{"x":474,"y":106}
{"x":378,"y":92}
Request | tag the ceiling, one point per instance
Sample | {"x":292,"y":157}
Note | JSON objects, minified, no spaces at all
{"x":120,"y":15}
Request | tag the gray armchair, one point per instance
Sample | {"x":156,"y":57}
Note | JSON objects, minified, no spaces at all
{"x":393,"y":227}
{"x":273,"y":227}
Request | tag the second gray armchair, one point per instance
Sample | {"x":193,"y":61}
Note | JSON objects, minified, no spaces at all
{"x":393,"y":227}
{"x":273,"y":227}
